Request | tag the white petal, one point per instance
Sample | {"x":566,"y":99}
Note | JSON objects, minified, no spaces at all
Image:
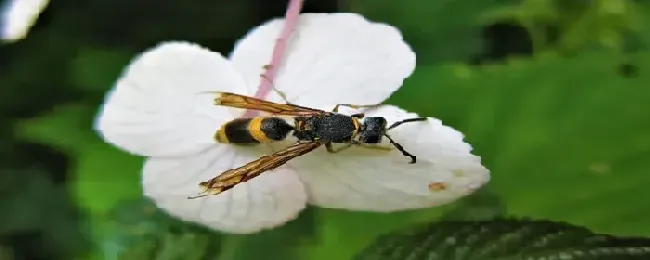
{"x":157,"y":108}
{"x":378,"y":180}
{"x":267,"y":201}
{"x":331,"y":58}
{"x":18,"y":16}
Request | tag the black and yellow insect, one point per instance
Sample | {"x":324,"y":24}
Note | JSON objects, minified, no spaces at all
{"x":312,"y":127}
{"x":254,"y":130}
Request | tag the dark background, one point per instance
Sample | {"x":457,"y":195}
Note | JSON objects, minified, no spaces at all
{"x":552,"y":94}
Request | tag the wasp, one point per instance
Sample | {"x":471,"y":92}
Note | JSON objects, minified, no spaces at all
{"x":312,"y":127}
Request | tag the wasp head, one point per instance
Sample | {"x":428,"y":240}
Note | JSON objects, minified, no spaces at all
{"x":373,"y":130}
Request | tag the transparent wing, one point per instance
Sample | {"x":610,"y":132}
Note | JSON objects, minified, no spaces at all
{"x":241,"y":101}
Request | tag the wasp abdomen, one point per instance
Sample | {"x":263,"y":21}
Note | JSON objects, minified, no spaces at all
{"x":275,"y":128}
{"x":253,"y":130}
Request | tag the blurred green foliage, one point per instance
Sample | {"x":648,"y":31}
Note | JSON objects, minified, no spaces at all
{"x":563,"y":134}
{"x":137,"y":230}
{"x":564,"y":128}
{"x":505,"y":240}
{"x":440,"y":31}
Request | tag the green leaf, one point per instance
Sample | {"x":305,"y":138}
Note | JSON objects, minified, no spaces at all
{"x":96,"y":69}
{"x":504,"y":240}
{"x":66,"y":127}
{"x":6,"y":252}
{"x":343,"y":233}
{"x":565,"y":138}
{"x":104,"y":174}
{"x":534,"y":15}
{"x":33,"y":73}
{"x":284,"y":242}
{"x":39,"y":211}
{"x":138,"y":230}
{"x":602,"y":22}
{"x":484,"y":204}
{"x":641,"y":39}
{"x":439,"y":31}
{"x":579,"y":24}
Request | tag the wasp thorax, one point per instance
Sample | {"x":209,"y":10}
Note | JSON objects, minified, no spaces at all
{"x":330,"y":128}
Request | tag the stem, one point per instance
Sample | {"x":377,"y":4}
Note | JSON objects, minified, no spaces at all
{"x":290,"y":22}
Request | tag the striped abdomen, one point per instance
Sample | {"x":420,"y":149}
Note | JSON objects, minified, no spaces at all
{"x":254,"y":130}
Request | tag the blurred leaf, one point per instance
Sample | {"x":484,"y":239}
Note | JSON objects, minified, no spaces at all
{"x":564,"y":137}
{"x":104,"y":174}
{"x":33,"y":74}
{"x":343,"y":233}
{"x":603,"y":22}
{"x":17,"y":192}
{"x":137,"y":27}
{"x":66,"y":127}
{"x":40,"y":213}
{"x":96,"y":69}
{"x":534,"y":15}
{"x":483,"y":204}
{"x":505,"y":239}
{"x":138,"y":230}
{"x":581,"y":24}
{"x":439,"y":31}
{"x":6,"y":253}
{"x":284,"y":242}
{"x":642,"y":38}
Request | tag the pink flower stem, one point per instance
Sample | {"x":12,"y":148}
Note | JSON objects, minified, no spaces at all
{"x":290,"y":22}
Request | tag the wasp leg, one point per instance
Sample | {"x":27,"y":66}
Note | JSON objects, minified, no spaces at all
{"x":336,"y":108}
{"x":359,"y":115}
{"x":331,"y":149}
{"x":280,"y":93}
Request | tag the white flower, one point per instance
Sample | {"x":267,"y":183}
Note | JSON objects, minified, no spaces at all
{"x":156,"y":110}
{"x":18,"y":16}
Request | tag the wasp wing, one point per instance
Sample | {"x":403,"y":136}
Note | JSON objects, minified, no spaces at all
{"x":240,"y":101}
{"x":228,"y":179}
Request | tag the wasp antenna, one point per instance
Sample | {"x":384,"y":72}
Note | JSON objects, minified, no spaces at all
{"x":398,"y":123}
{"x":401,"y":149}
